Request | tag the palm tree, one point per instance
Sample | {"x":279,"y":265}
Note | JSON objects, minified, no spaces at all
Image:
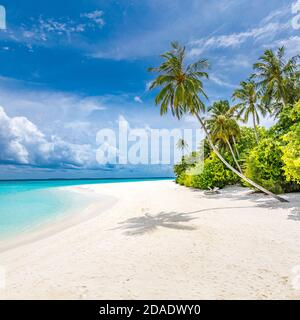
{"x":249,"y":104}
{"x":278,"y":78}
{"x":222,"y":107}
{"x":181,"y":87}
{"x":182,"y":145}
{"x":223,"y":128}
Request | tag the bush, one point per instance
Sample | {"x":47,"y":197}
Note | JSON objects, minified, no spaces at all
{"x":179,"y":170}
{"x":264,"y":166}
{"x":213,"y":174}
{"x":291,"y":154}
{"x":288,"y":117}
{"x":247,"y":140}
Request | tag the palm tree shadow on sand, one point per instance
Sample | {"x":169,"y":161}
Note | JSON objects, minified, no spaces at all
{"x":149,"y":223}
{"x":173,"y":220}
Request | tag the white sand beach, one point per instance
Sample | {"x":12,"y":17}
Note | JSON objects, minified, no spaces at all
{"x":158,"y":240}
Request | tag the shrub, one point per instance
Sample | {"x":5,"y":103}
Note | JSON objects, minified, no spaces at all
{"x":247,"y":140}
{"x":213,"y":174}
{"x":264,"y":165}
{"x":287,"y":118}
{"x":179,"y":170}
{"x":291,"y":154}
{"x":186,"y":163}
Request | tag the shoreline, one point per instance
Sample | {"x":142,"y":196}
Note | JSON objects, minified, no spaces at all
{"x":163,"y":241}
{"x":62,"y":221}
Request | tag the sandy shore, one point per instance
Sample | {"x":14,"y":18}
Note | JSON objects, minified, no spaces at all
{"x":163,"y":241}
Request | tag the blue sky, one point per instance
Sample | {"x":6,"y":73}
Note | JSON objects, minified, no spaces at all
{"x":68,"y":69}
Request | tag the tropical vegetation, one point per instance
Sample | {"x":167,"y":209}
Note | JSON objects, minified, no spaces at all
{"x":267,"y":160}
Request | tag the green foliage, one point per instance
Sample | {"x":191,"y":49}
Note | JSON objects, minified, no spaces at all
{"x":222,"y":124}
{"x":180,"y":169}
{"x":291,"y":148}
{"x":274,"y":163}
{"x":246,"y":141}
{"x":181,"y":87}
{"x":287,"y":118}
{"x":212,"y":174}
{"x":264,"y":165}
{"x":291,"y":154}
{"x":187,"y":162}
{"x":278,"y":79}
{"x":248,"y":97}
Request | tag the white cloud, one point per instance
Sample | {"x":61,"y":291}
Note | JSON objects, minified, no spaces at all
{"x":22,"y":142}
{"x":95,"y":16}
{"x":18,"y":137}
{"x":238,"y":60}
{"x":138,"y":99}
{"x":235,"y":39}
{"x":277,"y":14}
{"x":148,"y":85}
{"x":296,"y":7}
{"x":43,"y":106}
{"x":220,"y":82}
{"x":45,"y":31}
{"x":292,"y":45}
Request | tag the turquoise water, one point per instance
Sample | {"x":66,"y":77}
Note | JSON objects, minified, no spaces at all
{"x":26,"y":204}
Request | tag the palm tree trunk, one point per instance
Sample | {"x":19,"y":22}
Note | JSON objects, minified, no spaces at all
{"x":235,"y":147}
{"x":233,"y":155}
{"x":255,"y":185}
{"x":255,"y":127}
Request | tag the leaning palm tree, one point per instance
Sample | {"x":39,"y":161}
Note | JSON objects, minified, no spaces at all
{"x":181,"y":89}
{"x":249,"y":104}
{"x":223,"y":128}
{"x":279,"y":79}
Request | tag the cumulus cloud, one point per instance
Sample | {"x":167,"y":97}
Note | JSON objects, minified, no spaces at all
{"x":22,"y":142}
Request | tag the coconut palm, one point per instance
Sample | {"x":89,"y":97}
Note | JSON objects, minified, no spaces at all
{"x":223,"y":127}
{"x":249,"y":104}
{"x":279,"y":78}
{"x":222,"y":107}
{"x":182,"y":145}
{"x":181,"y":91}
